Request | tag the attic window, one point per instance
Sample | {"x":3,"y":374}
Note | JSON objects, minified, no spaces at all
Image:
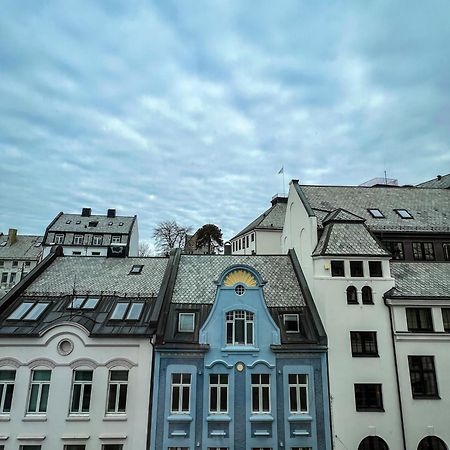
{"x":68,"y":221}
{"x":291,"y":323}
{"x":28,"y":311}
{"x":404,"y":213}
{"x":136,"y":269}
{"x":83,"y":303}
{"x":127,"y":311}
{"x":376,"y":213}
{"x":93,"y":223}
{"x":186,"y":322}
{"x":120,"y":224}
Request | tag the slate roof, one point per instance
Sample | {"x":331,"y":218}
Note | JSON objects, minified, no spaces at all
{"x":100,"y":274}
{"x":417,"y":279}
{"x":83,"y":227}
{"x":341,"y":215}
{"x":437,"y":183}
{"x":348,"y":239}
{"x":23,"y":249}
{"x":197,"y":273}
{"x":430,"y":208}
{"x":272,"y":219}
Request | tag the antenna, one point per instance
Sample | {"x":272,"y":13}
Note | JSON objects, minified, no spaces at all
{"x":385,"y":178}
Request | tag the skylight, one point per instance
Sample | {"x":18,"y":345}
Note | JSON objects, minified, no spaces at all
{"x":135,"y":311}
{"x":20,"y":311}
{"x":78,"y":222}
{"x":68,"y":221}
{"x":120,"y":224}
{"x":76,"y":303}
{"x":110,"y":224}
{"x":137,"y":268}
{"x":127,"y":311}
{"x":36,"y":312}
{"x":403,"y":213}
{"x":119,"y":311}
{"x":28,"y":311}
{"x":83,"y":303}
{"x":376,"y":213}
{"x":94,"y":223}
{"x":3,"y":244}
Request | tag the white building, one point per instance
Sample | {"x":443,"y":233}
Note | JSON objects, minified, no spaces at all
{"x":76,"y":354}
{"x":19,"y":254}
{"x":86,"y":234}
{"x":263,"y":235}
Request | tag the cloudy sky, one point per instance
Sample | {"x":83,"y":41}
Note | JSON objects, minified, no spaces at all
{"x":186,"y":110}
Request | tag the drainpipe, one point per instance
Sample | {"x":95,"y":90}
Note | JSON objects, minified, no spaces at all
{"x":396,"y":374}
{"x":149,"y":416}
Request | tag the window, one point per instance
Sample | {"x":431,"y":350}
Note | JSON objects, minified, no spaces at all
{"x":423,"y":251}
{"x":419,"y":320}
{"x":27,"y":263}
{"x":112,"y":447}
{"x":12,"y":277}
{"x":78,"y":222}
{"x":218,"y":393}
{"x":376,"y":213}
{"x":253,"y":237}
{"x":127,"y":311}
{"x":30,"y":447}
{"x":298,"y":393}
{"x":260,"y":393}
{"x":247,"y":241}
{"x":239,"y":327}
{"x":97,"y":239}
{"x":352,"y":296}
{"x":7,"y":378}
{"x":93,"y":223}
{"x":375,"y":269}
{"x":396,"y":249}
{"x":432,"y":443}
{"x":120,"y":224}
{"x":181,"y":393}
{"x":356,"y":269}
{"x":36,"y":312}
{"x":95,"y":253}
{"x":364,"y":343}
{"x":337,"y":269}
{"x":423,"y":377}
{"x":403,"y":213}
{"x":59,"y":239}
{"x":15,"y":263}
{"x":239,"y":244}
{"x":186,"y":322}
{"x":39,"y":389}
{"x":373,"y":443}
{"x":446,"y":319}
{"x":76,"y":253}
{"x":446,"y":250}
{"x":117,"y":391}
{"x":178,"y":448}
{"x":75,"y":447}
{"x":83,"y":302}
{"x":115,"y":240}
{"x":81,"y":392}
{"x":2,"y":263}
{"x":368,"y":397}
{"x":4,"y":277}
{"x":137,"y":268}
{"x":78,"y":239}
{"x":291,"y":323}
{"x":239,"y":289}
{"x":68,"y":221}
{"x":366,"y":294}
{"x":28,"y":311}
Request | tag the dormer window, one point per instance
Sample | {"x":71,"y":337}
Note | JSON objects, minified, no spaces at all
{"x":291,"y":323}
{"x":404,"y":213}
{"x":93,"y":223}
{"x":78,"y":239}
{"x":186,"y":322}
{"x":239,"y":327}
{"x":376,"y":213}
{"x":59,"y":239}
{"x":115,"y":240}
{"x":97,"y":239}
{"x":136,"y":269}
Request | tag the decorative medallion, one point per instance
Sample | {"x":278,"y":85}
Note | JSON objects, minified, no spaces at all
{"x":240,"y":276}
{"x":240,"y":366}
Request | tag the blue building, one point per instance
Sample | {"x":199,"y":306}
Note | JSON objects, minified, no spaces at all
{"x":241,"y":358}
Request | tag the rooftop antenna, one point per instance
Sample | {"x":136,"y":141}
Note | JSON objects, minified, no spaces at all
{"x":385,"y":178}
{"x":281,"y":171}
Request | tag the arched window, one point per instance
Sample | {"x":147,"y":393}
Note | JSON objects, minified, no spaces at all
{"x":239,"y":327}
{"x":432,"y":443}
{"x":367,"y":297}
{"x":352,"y":296}
{"x":373,"y":443}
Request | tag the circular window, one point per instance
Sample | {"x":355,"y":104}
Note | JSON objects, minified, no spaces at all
{"x":239,"y":289}
{"x":65,"y":347}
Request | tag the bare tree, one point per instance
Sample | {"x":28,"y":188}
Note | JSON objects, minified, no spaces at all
{"x":169,"y":235}
{"x":145,"y":249}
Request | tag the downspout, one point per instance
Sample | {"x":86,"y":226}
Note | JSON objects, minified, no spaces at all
{"x":396,"y":374}
{"x":149,"y":422}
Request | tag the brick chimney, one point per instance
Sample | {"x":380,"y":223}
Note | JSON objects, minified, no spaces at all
{"x":86,"y":212}
{"x":111,"y":213}
{"x":12,"y":236}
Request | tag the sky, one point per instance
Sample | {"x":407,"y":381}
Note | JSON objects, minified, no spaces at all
{"x":186,"y":110}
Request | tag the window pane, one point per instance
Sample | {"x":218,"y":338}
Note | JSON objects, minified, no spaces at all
{"x":112,"y":397}
{"x":185,"y":399}
{"x":186,"y":322}
{"x":446,"y":318}
{"x":44,"y":398}
{"x":135,"y":311}
{"x":213,"y":399}
{"x":119,"y":375}
{"x":119,"y":311}
{"x":175,"y":398}
{"x":255,"y":399}
{"x":91,"y":303}
{"x":41,"y":375}
{"x":83,"y":375}
{"x":86,"y":398}
{"x":249,"y":333}
{"x":303,"y":399}
{"x":123,"y":398}
{"x":337,"y":268}
{"x":265,"y":393}
{"x":76,"y":398}
{"x":7,"y":375}
{"x":375,"y":269}
{"x":239,"y":331}
{"x":36,"y":311}
{"x":223,"y":399}
{"x":8,"y":397}
{"x":20,"y":311}
{"x":356,"y":269}
{"x":32,"y":406}
{"x":293,"y":399}
{"x":76,"y":302}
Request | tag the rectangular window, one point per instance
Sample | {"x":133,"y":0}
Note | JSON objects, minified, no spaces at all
{"x":446,"y":319}
{"x":423,"y":377}
{"x":30,"y":447}
{"x":364,"y":343}
{"x":117,"y":392}
{"x":337,"y":269}
{"x":376,"y":213}
{"x":375,"y":269}
{"x":39,"y":389}
{"x":396,"y":249}
{"x":97,"y":239}
{"x":83,"y":303}
{"x":59,"y":239}
{"x":12,"y":277}
{"x":356,"y":269}
{"x":247,"y":241}
{"x":81,"y":392}
{"x":260,"y":393}
{"x":368,"y":397}
{"x":423,"y":251}
{"x":7,"y":378}
{"x":218,"y":393}
{"x":291,"y":323}
{"x":15,"y":263}
{"x":419,"y":320}
{"x":403,"y":213}
{"x":76,"y":253}
{"x":78,"y":239}
{"x":2,"y":263}
{"x":239,"y":327}
{"x":298,"y":393}
{"x":27,"y":263}
{"x":112,"y":447}
{"x":115,"y":239}
{"x":4,"y":277}
{"x":253,"y":237}
{"x":446,"y":250}
{"x":186,"y":322}
{"x":181,"y":393}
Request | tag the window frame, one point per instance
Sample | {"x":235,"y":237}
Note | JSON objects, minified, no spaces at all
{"x":373,"y":269}
{"x":219,"y":387}
{"x":127,"y":311}
{"x":298,"y":387}
{"x":116,"y":239}
{"x":366,"y":407}
{"x":355,"y":266}
{"x":97,"y":240}
{"x":376,"y":213}
{"x":42,"y":385}
{"x":59,"y":239}
{"x":420,"y":254}
{"x":296,"y":320}
{"x":82,"y":392}
{"x":180,"y":386}
{"x":367,"y":299}
{"x":417,"y":310}
{"x":7,"y":387}
{"x":118,"y":387}
{"x":400,"y":211}
{"x":421,"y":373}
{"x":77,"y":239}
{"x":363,"y":341}
{"x":446,"y":320}
{"x":335,"y":267}
{"x":446,"y":250}
{"x":261,"y":388}
{"x":248,"y":319}
{"x":349,"y":291}
{"x":180,"y":330}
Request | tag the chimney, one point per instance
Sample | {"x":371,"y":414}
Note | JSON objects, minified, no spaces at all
{"x":227,"y":248}
{"x":111,"y":213}
{"x":12,"y":236}
{"x":439,"y":177}
{"x":86,"y":212}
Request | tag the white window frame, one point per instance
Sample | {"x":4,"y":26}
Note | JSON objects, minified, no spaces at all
{"x":5,"y":384}
{"x":192,"y":315}
{"x":288,"y":318}
{"x":40,"y":386}
{"x":118,"y":384}
{"x":298,"y":387}
{"x":83,"y":384}
{"x":78,"y":239}
{"x":97,"y":239}
{"x":116,"y":239}
{"x":59,"y":238}
{"x":181,"y":392}
{"x":219,"y":386}
{"x":261,"y":389}
{"x":230,"y":320}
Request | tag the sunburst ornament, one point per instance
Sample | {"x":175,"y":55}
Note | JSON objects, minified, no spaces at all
{"x":240,"y":276}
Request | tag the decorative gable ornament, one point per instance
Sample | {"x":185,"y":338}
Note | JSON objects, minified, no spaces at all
{"x":240,"y":276}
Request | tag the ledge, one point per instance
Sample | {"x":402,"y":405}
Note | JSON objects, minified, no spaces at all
{"x":261,"y":418}
{"x":300,"y":418}
{"x":239,"y":349}
{"x":218,"y":418}
{"x":5,"y":418}
{"x":34,"y":419}
{"x":180,"y":418}
{"x":31,"y":437}
{"x":112,"y":436}
{"x":4,"y":437}
{"x":78,"y":419}
{"x":75,"y":437}
{"x":115,"y":418}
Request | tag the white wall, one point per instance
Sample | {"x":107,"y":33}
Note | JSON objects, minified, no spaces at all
{"x":57,"y":428}
{"x":134,"y":240}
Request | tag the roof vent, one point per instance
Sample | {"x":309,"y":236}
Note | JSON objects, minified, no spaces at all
{"x":86,"y":212}
{"x":439,"y":177}
{"x":111,"y":213}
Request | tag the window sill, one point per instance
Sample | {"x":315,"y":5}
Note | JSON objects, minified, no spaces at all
{"x":5,"y":418}
{"x":35,"y":419}
{"x":365,"y":355}
{"x":78,"y":419}
{"x":426,"y":397}
{"x":115,"y":418}
{"x":300,"y":418}
{"x":180,"y":418}
{"x":218,"y":418}
{"x":261,"y":418}
{"x":370,"y":410}
{"x":240,"y":348}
